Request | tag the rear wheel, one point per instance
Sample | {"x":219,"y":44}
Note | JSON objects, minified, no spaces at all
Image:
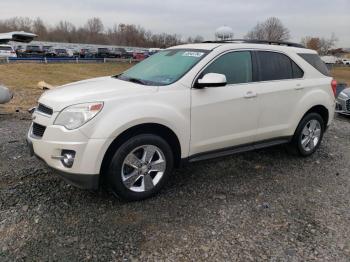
{"x":140,"y":167}
{"x":308,"y":135}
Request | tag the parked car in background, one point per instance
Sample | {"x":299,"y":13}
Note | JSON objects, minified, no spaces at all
{"x":113,"y":53}
{"x":86,"y":53}
{"x":343,"y":102}
{"x":7,"y":51}
{"x":61,"y":52}
{"x":49,"y":51}
{"x":122,"y":53}
{"x":139,"y":55}
{"x":184,"y":104}
{"x":70,"y":52}
{"x":46,"y":48}
{"x":20,"y":50}
{"x":346,"y":61}
{"x":103,"y":52}
{"x":5,"y":94}
{"x":76,"y":52}
{"x":33,"y":51}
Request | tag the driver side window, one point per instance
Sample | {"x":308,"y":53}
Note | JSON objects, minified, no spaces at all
{"x":236,"y":66}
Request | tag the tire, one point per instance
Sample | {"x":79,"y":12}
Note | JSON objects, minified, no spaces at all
{"x":310,"y":131}
{"x":135,"y":175}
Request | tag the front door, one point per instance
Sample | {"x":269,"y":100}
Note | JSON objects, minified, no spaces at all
{"x":223,"y":117}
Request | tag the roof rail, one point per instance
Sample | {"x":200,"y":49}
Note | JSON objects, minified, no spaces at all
{"x":255,"y":41}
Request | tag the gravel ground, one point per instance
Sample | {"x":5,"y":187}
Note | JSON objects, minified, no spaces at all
{"x":263,"y":205}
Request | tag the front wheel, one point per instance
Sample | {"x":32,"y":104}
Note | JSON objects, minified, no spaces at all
{"x":308,"y":136}
{"x":140,"y":167}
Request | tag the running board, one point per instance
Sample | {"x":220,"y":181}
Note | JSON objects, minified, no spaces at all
{"x":238,"y":149}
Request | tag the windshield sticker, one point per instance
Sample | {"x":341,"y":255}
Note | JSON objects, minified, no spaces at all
{"x":193,"y":54}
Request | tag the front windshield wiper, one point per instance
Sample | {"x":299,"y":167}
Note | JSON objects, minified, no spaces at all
{"x":137,"y":81}
{"x":131,"y":79}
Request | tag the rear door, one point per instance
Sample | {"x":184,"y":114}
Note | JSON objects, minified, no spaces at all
{"x":280,"y":87}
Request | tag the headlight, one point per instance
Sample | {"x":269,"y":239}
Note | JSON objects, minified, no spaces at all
{"x":342,"y":94}
{"x":75,"y":116}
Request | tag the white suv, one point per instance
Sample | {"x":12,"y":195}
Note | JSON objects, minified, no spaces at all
{"x":183,"y":104}
{"x":7,"y":51}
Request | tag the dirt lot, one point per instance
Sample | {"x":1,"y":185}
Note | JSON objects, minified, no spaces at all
{"x":262,"y":205}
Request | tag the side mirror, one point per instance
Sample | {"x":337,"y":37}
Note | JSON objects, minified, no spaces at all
{"x":211,"y":80}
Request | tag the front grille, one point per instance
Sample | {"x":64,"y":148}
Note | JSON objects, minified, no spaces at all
{"x":348,"y":105}
{"x":44,"y":109}
{"x":38,"y":130}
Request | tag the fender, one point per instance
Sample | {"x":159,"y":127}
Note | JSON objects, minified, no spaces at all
{"x":117,"y":119}
{"x":309,"y":100}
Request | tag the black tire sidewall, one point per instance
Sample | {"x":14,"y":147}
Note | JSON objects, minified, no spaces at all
{"x":298,"y":134}
{"x":114,"y":176}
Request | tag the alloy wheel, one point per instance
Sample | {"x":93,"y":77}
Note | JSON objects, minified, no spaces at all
{"x":143,"y":168}
{"x":311,"y":135}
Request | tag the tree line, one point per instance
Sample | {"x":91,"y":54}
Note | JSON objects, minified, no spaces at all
{"x":94,"y":32}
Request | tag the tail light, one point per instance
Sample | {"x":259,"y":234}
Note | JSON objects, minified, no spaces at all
{"x":334,"y":86}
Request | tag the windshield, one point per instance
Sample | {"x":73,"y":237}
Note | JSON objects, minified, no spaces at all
{"x":165,"y":67}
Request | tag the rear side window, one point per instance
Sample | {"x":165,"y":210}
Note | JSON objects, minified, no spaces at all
{"x":316,"y":62}
{"x":276,"y":66}
{"x":236,"y":66}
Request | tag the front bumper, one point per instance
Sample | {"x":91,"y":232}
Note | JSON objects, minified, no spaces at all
{"x":88,"y":154}
{"x":343,"y":106}
{"x":82,"y":181}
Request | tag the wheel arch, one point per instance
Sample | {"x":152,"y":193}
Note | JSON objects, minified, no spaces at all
{"x":148,"y":128}
{"x":322,"y":111}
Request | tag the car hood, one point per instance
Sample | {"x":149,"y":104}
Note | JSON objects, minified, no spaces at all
{"x":91,"y":90}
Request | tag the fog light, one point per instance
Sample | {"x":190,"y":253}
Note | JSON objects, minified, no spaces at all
{"x":68,"y":158}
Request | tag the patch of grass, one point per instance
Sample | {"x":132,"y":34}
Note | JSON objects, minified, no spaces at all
{"x":23,"y":79}
{"x":342,"y":74}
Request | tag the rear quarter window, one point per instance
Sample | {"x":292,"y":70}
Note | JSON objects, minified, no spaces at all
{"x":316,"y":62}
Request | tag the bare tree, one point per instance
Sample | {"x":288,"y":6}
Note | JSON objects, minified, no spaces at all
{"x":272,"y":30}
{"x":39,"y":28}
{"x":94,"y":26}
{"x":321,"y":45}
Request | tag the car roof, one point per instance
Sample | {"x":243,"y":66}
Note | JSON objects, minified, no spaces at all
{"x":238,"y":45}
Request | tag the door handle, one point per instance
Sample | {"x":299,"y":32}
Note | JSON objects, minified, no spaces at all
{"x":299,"y":87}
{"x":250,"y":94}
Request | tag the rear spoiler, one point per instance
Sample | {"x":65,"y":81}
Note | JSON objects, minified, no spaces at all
{"x":17,"y":36}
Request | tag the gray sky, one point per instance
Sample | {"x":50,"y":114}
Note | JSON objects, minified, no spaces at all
{"x":192,"y":17}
